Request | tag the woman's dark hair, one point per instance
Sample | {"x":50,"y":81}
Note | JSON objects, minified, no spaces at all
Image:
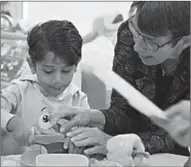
{"x":60,"y":37}
{"x":157,"y":18}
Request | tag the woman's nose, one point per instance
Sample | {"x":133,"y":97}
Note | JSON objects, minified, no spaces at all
{"x":140,"y":46}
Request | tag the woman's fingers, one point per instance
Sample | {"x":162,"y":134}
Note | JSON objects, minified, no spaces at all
{"x":69,"y":125}
{"x":86,"y":142}
{"x":96,"y":150}
{"x":76,"y":116}
{"x":75,"y":132}
{"x":79,"y":137}
{"x":68,"y":112}
{"x":62,"y":121}
{"x":71,"y":147}
{"x":66,"y":142}
{"x":83,"y":133}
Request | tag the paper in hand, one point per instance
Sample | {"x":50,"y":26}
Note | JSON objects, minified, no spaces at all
{"x":133,"y":96}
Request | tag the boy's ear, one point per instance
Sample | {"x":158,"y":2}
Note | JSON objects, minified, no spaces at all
{"x":76,"y":66}
{"x":31,"y":65}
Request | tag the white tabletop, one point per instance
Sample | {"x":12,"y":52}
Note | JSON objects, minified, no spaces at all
{"x":154,"y":160}
{"x":166,"y":160}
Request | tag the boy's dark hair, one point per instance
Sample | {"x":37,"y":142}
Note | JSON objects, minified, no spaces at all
{"x":157,"y":18}
{"x":60,"y":37}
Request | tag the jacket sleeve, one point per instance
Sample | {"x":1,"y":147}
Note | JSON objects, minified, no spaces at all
{"x":121,"y":117}
{"x":10,"y":100}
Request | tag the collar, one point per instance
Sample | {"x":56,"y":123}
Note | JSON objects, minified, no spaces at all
{"x":69,"y":91}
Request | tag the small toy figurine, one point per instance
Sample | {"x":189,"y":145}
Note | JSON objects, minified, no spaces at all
{"x":43,"y":121}
{"x":48,"y":135}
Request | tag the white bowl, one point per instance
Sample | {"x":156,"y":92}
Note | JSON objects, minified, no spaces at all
{"x":64,"y":160}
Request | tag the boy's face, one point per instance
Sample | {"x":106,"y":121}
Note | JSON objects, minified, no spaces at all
{"x":54,"y":74}
{"x":146,"y":46}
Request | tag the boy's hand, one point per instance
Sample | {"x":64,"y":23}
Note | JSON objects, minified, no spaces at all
{"x":21,"y":135}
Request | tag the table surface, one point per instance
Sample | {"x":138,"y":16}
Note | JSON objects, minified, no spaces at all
{"x":166,"y":160}
{"x":154,"y":160}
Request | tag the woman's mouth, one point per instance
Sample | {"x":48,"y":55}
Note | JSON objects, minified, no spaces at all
{"x":145,"y":57}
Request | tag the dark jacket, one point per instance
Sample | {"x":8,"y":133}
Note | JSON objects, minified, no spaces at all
{"x":164,"y":91}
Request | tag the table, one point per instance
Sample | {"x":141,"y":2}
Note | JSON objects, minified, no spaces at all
{"x":154,"y":160}
{"x":166,"y":160}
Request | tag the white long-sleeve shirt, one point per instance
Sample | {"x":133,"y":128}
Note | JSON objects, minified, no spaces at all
{"x":24,"y":99}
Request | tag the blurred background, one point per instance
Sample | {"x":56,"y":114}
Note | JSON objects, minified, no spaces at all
{"x":97,"y":22}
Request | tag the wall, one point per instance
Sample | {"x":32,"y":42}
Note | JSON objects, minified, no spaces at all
{"x":81,"y":13}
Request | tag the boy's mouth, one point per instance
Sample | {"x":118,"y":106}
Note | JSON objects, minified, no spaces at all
{"x":57,"y":88}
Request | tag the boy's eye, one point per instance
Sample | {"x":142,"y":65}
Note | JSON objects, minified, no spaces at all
{"x":65,"y":71}
{"x":48,"y":72}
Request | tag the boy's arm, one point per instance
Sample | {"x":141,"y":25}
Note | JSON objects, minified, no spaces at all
{"x":10,"y":99}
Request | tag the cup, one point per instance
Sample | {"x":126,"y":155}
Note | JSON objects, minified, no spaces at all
{"x":64,"y":160}
{"x":28,"y":158}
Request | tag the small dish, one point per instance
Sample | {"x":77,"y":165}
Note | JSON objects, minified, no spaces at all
{"x":28,"y":158}
{"x":62,"y":160}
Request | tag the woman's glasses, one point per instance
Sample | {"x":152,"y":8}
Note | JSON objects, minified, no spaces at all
{"x":150,"y":44}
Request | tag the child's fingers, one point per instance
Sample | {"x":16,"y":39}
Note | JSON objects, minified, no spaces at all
{"x":61,"y":122}
{"x":35,"y":131}
{"x":24,"y":138}
{"x":43,"y":150}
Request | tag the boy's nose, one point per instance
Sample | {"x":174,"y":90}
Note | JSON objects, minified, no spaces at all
{"x":57,"y":77}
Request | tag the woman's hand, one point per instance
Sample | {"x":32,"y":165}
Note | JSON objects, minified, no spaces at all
{"x":78,"y":117}
{"x":94,"y":137}
{"x":177,"y":123}
{"x":72,"y":149}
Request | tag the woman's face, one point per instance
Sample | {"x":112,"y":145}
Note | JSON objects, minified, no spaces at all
{"x":54,"y":75}
{"x":146,"y":46}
